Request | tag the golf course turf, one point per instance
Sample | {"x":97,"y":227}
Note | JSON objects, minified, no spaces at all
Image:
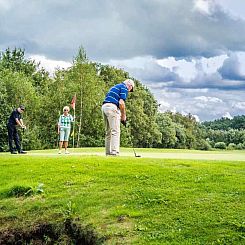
{"x":123,"y":200}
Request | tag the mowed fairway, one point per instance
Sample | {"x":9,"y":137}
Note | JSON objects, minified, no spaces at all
{"x":154,"y":153}
{"x":164,"y":197}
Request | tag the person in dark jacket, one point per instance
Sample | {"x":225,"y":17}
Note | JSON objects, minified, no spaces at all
{"x":14,"y":121}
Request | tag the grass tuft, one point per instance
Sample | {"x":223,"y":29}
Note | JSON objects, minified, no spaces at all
{"x":20,"y":191}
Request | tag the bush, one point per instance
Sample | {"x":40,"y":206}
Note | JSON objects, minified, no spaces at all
{"x":240,"y":146}
{"x":203,"y":145}
{"x":210,"y":142}
{"x":30,"y":139}
{"x":220,"y":145}
{"x":231,"y":146}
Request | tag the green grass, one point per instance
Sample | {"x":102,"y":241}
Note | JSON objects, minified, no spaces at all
{"x":233,"y":155}
{"x":129,"y":200}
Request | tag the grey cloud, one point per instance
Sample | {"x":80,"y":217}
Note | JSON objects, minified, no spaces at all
{"x":152,"y":72}
{"x":231,"y":69}
{"x":227,"y":78}
{"x":149,"y":71}
{"x":206,"y":81}
{"x":119,"y":29}
{"x":213,"y":81}
{"x":131,"y":28}
{"x":183,"y":101}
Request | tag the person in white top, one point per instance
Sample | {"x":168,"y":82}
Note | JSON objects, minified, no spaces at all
{"x":64,"y":128}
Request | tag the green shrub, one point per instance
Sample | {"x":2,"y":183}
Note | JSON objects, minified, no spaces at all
{"x":203,"y":145}
{"x":220,"y":145}
{"x":231,"y":146}
{"x":210,"y":142}
{"x":240,"y":146}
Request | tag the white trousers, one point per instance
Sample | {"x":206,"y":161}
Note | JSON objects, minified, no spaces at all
{"x":112,"y":118}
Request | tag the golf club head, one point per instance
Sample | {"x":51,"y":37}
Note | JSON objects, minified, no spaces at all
{"x":136,"y":154}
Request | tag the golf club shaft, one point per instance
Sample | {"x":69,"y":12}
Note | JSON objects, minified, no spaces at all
{"x":131,"y":142}
{"x":134,"y":152}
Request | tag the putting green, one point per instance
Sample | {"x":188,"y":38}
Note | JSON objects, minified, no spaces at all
{"x":149,"y":153}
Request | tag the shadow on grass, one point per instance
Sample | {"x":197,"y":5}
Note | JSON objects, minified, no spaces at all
{"x":68,"y":232}
{"x":21,"y":191}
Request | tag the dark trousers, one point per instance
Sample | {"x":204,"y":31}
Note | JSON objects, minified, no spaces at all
{"x":13,"y":135}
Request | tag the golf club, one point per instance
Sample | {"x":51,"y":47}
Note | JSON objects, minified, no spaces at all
{"x":23,"y":133}
{"x":131,"y":142}
{"x":135,"y":153}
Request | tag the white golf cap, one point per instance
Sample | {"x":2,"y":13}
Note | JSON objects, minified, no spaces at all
{"x":130,"y":82}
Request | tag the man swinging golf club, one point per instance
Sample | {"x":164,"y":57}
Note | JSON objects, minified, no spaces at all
{"x":114,"y":111}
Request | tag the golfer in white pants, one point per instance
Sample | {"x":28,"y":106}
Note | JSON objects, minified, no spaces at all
{"x":114,"y":111}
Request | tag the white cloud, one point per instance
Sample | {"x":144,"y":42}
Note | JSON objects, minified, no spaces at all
{"x":5,"y":5}
{"x":233,"y":8}
{"x":207,"y":107}
{"x":205,"y":7}
{"x":146,"y":69}
{"x":58,"y":28}
{"x":200,"y":105}
{"x":164,"y":105}
{"x":211,"y":65}
{"x":138,"y":62}
{"x":184,"y":68}
{"x":241,"y":58}
{"x":227,"y":115}
{"x":199,"y":89}
{"x":50,"y":65}
{"x":183,"y":54}
{"x":239,"y":105}
{"x":188,"y":69}
{"x":208,"y":99}
{"x":197,"y":118}
{"x":231,"y":68}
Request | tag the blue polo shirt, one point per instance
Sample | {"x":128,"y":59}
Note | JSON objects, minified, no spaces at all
{"x":14,"y":115}
{"x":117,"y":92}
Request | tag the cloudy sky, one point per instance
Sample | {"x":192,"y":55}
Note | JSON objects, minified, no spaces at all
{"x":190,"y":53}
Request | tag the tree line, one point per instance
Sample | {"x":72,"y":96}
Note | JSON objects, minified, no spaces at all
{"x":23,"y":81}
